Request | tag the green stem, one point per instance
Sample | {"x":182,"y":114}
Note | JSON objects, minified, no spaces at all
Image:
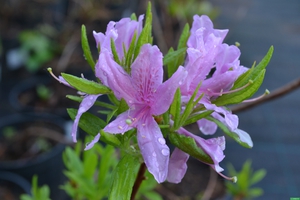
{"x":138,"y":181}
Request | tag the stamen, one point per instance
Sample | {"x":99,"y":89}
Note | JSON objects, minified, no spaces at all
{"x":233,"y":179}
{"x":257,"y":98}
{"x":120,"y":127}
{"x":51,"y":73}
{"x":231,"y":91}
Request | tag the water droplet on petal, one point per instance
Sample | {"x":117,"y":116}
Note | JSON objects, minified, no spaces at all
{"x":162,"y":141}
{"x":165,"y":152}
{"x":180,"y":83}
{"x":154,"y":154}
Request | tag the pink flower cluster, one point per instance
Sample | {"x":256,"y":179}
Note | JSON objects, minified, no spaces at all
{"x":209,"y":61}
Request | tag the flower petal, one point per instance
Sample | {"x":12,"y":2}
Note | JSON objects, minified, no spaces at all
{"x":177,"y":166}
{"x":153,"y":148}
{"x":120,"y":124}
{"x":86,"y":104}
{"x":114,"y":76}
{"x":207,"y":127}
{"x":147,"y":73}
{"x":165,"y":92}
{"x":213,"y":147}
{"x":244,"y":137}
{"x":93,"y":142}
{"x":126,"y":28}
{"x":103,"y":41}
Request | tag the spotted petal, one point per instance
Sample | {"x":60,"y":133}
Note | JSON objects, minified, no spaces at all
{"x":153,"y":148}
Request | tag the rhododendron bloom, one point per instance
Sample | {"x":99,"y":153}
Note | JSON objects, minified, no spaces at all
{"x":216,"y":66}
{"x":121,"y":33}
{"x":147,"y":96}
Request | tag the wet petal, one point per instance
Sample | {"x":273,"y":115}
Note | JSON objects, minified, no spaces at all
{"x":153,"y":148}
{"x":165,"y":92}
{"x":114,"y":76}
{"x":87,"y":102}
{"x":93,"y":142}
{"x":177,"y":166}
{"x":207,"y":127}
{"x":147,"y":73}
{"x":121,"y":124}
{"x":213,"y":147}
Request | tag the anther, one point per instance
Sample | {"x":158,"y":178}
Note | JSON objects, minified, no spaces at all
{"x":257,"y":98}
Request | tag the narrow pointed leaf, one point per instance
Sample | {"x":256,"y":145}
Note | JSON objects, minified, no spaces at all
{"x":254,"y":71}
{"x":86,"y":86}
{"x":188,"y":145}
{"x":195,"y":117}
{"x":171,"y":55}
{"x":184,"y":37}
{"x":243,"y":94}
{"x":124,"y":177}
{"x":130,"y":53}
{"x":176,"y":108}
{"x":146,"y":34}
{"x":114,"y":51}
{"x":189,"y":107}
{"x":258,"y":176}
{"x":86,"y":48}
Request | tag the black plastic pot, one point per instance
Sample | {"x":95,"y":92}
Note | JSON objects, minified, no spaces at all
{"x":48,"y":165}
{"x":12,"y":186}
{"x":24,"y":98}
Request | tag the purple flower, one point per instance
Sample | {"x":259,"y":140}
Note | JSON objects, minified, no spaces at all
{"x":216,"y":66}
{"x":87,"y":102}
{"x":213,"y":147}
{"x":147,"y":96}
{"x":121,"y":32}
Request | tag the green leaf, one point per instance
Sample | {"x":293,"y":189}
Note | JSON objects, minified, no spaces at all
{"x":189,"y":107}
{"x":231,"y":134}
{"x":184,"y":36}
{"x":92,"y":125}
{"x":171,"y":60}
{"x":71,"y":161}
{"x":86,"y":86}
{"x":124,"y":177}
{"x":188,"y":145}
{"x":255,"y":192}
{"x":86,"y":48}
{"x":133,"y":17}
{"x":109,"y":161}
{"x":197,"y":116}
{"x":176,"y":107}
{"x":130,"y":53}
{"x":146,"y":34}
{"x":255,"y":74}
{"x":122,"y":107}
{"x":171,"y":55}
{"x":258,"y":176}
{"x":90,"y":162}
{"x":243,"y":94}
{"x":114,"y":51}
